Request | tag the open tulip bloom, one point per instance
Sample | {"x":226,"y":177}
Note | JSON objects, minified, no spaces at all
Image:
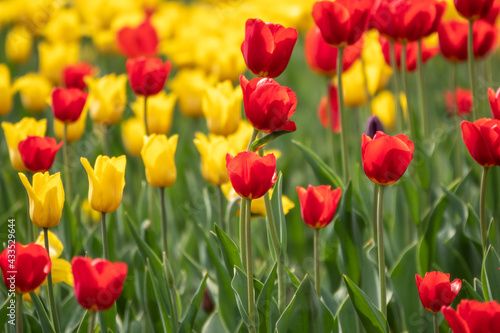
{"x":472,"y":316}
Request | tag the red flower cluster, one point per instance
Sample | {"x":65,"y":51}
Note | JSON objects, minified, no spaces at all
{"x":38,"y":153}
{"x":318,"y":204}
{"x":68,"y":103}
{"x":481,"y":139}
{"x":147,"y":76}
{"x":411,"y":53}
{"x":473,"y":316}
{"x":436,"y":291}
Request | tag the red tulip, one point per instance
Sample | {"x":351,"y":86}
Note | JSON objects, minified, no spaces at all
{"x":473,"y":9}
{"x":250,"y":174}
{"x":492,"y":15}
{"x":342,"y":22}
{"x":267,"y":47}
{"x":474,"y":317}
{"x":268,"y":105}
{"x":411,"y":53}
{"x":38,"y":153}
{"x":494,"y":102}
{"x":385,"y":157}
{"x":408,"y":20}
{"x":68,"y":103}
{"x":436,"y":291}
{"x":453,"y":39}
{"x":24,"y":267}
{"x":322,"y":58}
{"x":333,"y":107}
{"x":73,"y":75}
{"x":462,"y":98}
{"x":481,"y":139}
{"x":138,"y":41}
{"x":318,"y":204}
{"x":98,"y":282}
{"x":147,"y":76}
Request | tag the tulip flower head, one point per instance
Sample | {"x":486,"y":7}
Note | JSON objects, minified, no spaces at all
{"x":29,"y":268}
{"x":222,"y":108}
{"x":138,"y":41}
{"x":480,"y":138}
{"x":462,"y":98}
{"x":250,"y":174}
{"x":472,"y":316}
{"x":330,"y":104}
{"x":267,"y":47}
{"x":436,"y":290}
{"x":73,"y":75}
{"x":107,"y":98}
{"x":6,"y":90}
{"x":38,"y":153}
{"x":494,"y":98}
{"x":268,"y":105}
{"x":68,"y":104}
{"x":34,"y":90}
{"x":158,"y":155}
{"x":318,"y":204}
{"x":106,"y":182}
{"x":473,"y":9}
{"x":385,"y":157}
{"x":160,"y":112}
{"x":98,"y":282}
{"x":147,"y":76}
{"x":373,"y":125}
{"x":213,"y":152}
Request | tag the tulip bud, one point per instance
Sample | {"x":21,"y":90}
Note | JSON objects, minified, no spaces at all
{"x":373,"y":125}
{"x":158,"y":156}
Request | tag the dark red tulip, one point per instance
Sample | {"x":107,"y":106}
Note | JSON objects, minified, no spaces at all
{"x":38,"y":153}
{"x":98,"y":282}
{"x":322,"y":58}
{"x":482,"y":139}
{"x":411,"y":53}
{"x":453,"y":39}
{"x":250,"y":174}
{"x":24,"y":267}
{"x":492,"y":15}
{"x":342,"y":22}
{"x":473,"y":9}
{"x":373,"y":125}
{"x":138,"y":41}
{"x":73,"y":75}
{"x":147,"y":76}
{"x":333,"y":119}
{"x":473,"y":317}
{"x":436,"y":291}
{"x":268,"y":105}
{"x":494,"y":98}
{"x":318,"y":204}
{"x":267,"y":47}
{"x":462,"y":98}
{"x":68,"y":103}
{"x":385,"y":157}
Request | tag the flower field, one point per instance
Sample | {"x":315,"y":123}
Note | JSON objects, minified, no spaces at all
{"x":245,"y":166}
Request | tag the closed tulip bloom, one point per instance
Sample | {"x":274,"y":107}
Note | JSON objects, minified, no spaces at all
{"x":73,"y":75}
{"x":147,"y":76}
{"x":411,"y":53}
{"x":480,"y":139}
{"x":15,"y":133}
{"x":492,"y":15}
{"x":342,"y":22}
{"x":133,"y":132}
{"x":473,"y":9}
{"x":250,"y":174}
{"x":107,"y":98}
{"x":213,"y":152}
{"x":472,"y":316}
{"x":222,"y":108}
{"x":160,"y":111}
{"x":106,"y":182}
{"x":138,"y":41}
{"x":318,"y":204}
{"x":46,"y":198}
{"x":158,"y":155}
{"x":18,"y":44}
{"x":267,"y":47}
{"x":436,"y":290}
{"x":268,"y":105}
{"x":34,"y":90}
{"x":385,"y":157}
{"x":98,"y":282}
{"x":68,"y":104}
{"x":54,"y":57}
{"x":494,"y":102}
{"x":330,"y":103}
{"x":75,"y":129}
{"x":30,"y":266}
{"x":6,"y":90}
{"x":462,"y":98}
{"x":373,"y":125}
{"x":38,"y":153}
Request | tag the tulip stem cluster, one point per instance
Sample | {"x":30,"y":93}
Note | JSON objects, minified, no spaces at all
{"x":53,"y":310}
{"x":397,"y":104}
{"x":317,"y":277}
{"x":248,"y":241}
{"x":343,"y":137}
{"x":67,"y":176}
{"x":482,"y":204}
{"x":470,"y":61}
{"x":380,"y":247}
{"x":105,"y":249}
{"x":420,"y":85}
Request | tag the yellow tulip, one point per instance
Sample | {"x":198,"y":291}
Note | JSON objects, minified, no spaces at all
{"x":222,"y":108}
{"x":107,"y":98}
{"x":160,"y":111}
{"x":133,"y":135}
{"x":64,"y":26}
{"x":46,"y":198}
{"x":61,"y":269}
{"x":18,"y":44}
{"x":75,"y":129}
{"x":54,"y":57}
{"x":384,"y":108}
{"x":239,"y":140}
{"x":451,"y":12}
{"x":15,"y":133}
{"x":106,"y":182}
{"x":5,"y":90}
{"x":34,"y":90}
{"x":190,"y":85}
{"x":213,"y":152}
{"x":158,"y":157}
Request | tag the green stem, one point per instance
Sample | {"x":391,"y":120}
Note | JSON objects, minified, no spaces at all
{"x":243,"y":249}
{"x":380,"y":246}
{"x":19,"y":313}
{"x":248,"y":241}
{"x":343,"y":124}
{"x":67,"y":175}
{"x":164,"y":221}
{"x":397,"y":102}
{"x":146,"y":116}
{"x":482,"y":204}
{"x":105,"y":142}
{"x":374,"y":213}
{"x":421,"y":90}
{"x":53,"y":310}
{"x":105,"y":249}
{"x":405,"y":89}
{"x":252,"y":139}
{"x":436,"y":325}
{"x":220,"y":196}
{"x":456,"y":115}
{"x":317,"y":277}
{"x":34,"y":228}
{"x":331,"y":136}
{"x":470,"y":61}
{"x":90,"y":328}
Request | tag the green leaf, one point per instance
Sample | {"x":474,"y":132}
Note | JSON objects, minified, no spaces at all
{"x":229,"y":250}
{"x":471,"y":292}
{"x":84,"y":323}
{"x":107,"y":319}
{"x":188,"y":321}
{"x":306,"y":312}
{"x":259,"y":143}
{"x":265,"y":304}
{"x":42,"y":315}
{"x":373,"y":320}
{"x":490,"y":275}
{"x":239,"y":285}
{"x":411,"y":194}
{"x":213,"y":324}
{"x":4,"y":310}
{"x":277,"y":204}
{"x":165,"y":319}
